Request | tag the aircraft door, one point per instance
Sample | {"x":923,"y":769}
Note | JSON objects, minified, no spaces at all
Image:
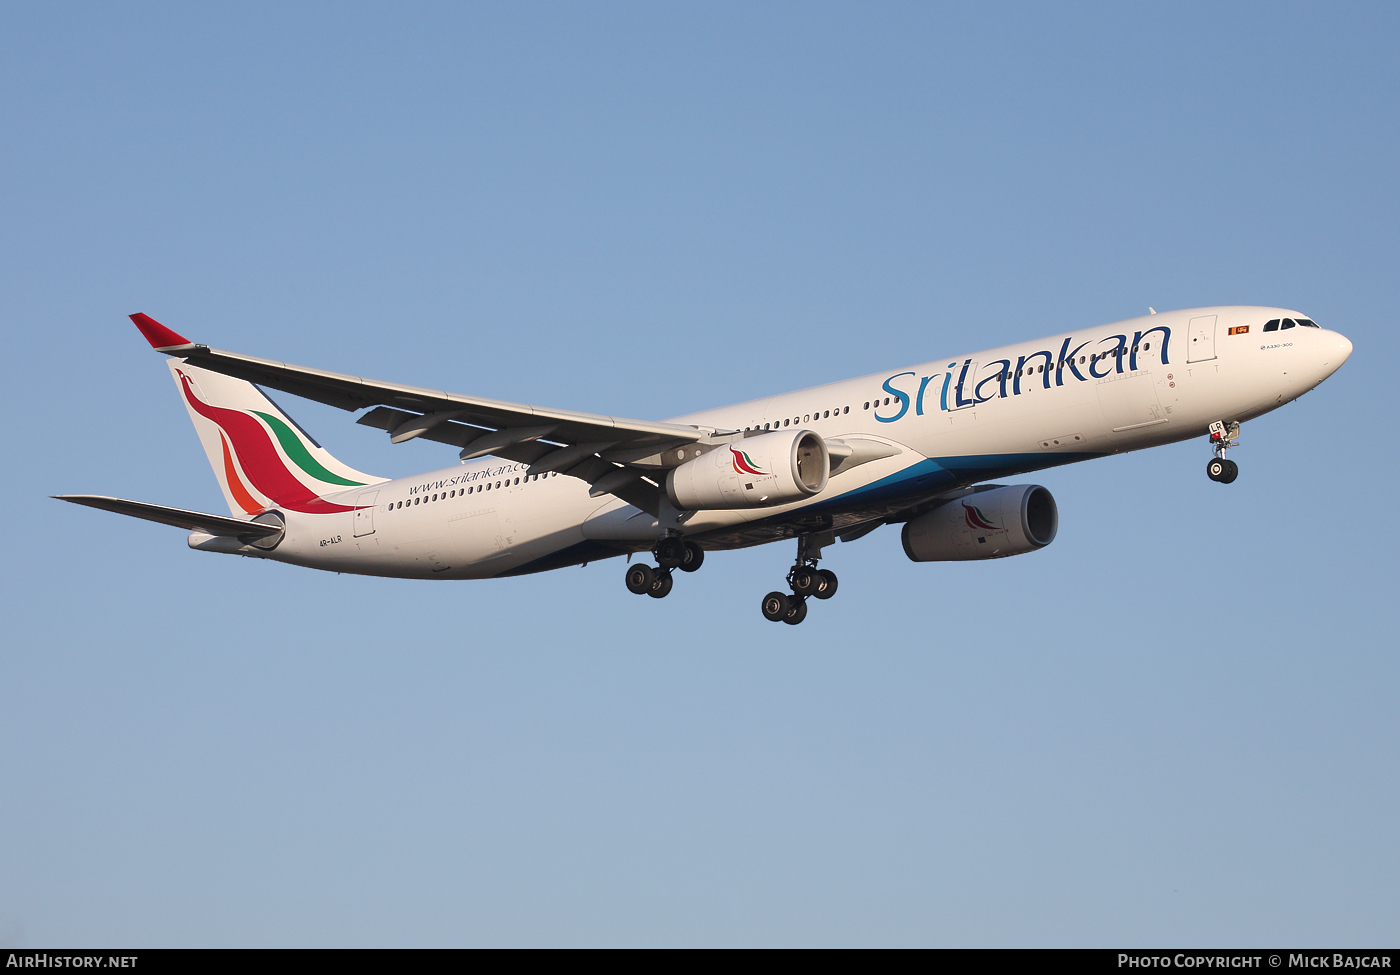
{"x":364,"y":513}
{"x":964,"y":386}
{"x":1200,"y":345}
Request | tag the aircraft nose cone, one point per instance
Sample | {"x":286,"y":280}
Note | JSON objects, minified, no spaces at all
{"x":1335,"y":348}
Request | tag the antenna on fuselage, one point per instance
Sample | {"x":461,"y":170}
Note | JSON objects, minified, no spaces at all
{"x":1151,"y":309}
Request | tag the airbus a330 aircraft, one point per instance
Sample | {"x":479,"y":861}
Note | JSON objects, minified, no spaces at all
{"x":540,"y":488}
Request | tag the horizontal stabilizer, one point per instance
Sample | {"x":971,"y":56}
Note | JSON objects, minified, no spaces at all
{"x":178,"y":517}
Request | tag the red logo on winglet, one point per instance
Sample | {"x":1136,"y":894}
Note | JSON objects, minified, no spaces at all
{"x":157,"y":334}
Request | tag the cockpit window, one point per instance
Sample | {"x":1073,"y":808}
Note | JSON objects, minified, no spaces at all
{"x":1308,"y":323}
{"x":1271,"y":326}
{"x":1287,"y":323}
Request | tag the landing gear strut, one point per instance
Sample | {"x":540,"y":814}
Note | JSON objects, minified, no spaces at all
{"x":1223,"y":436}
{"x":805,"y":580}
{"x":672,"y":552}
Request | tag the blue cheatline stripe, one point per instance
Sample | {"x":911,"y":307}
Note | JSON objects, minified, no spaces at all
{"x":925,"y":477}
{"x":1000,"y":465}
{"x":922,"y":478}
{"x":945,"y":473}
{"x":577,"y":554}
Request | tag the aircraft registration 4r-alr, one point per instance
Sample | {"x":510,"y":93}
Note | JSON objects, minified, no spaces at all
{"x":540,"y":488}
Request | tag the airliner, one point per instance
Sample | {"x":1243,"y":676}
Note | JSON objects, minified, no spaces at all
{"x":537,"y":488}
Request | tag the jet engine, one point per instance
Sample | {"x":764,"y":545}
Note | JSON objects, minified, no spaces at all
{"x":991,"y":524}
{"x":769,"y":469}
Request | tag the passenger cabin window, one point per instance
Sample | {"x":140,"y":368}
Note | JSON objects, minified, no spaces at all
{"x":1271,"y":326}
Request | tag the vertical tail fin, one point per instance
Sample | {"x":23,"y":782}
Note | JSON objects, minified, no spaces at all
{"x":261,"y":458}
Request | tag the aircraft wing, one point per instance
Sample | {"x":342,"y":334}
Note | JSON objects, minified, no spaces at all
{"x":610,"y":453}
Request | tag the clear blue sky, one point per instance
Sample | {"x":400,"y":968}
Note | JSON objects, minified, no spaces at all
{"x":1176,"y":725}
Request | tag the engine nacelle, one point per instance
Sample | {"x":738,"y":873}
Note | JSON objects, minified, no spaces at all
{"x":991,"y":524}
{"x":770,"y":469}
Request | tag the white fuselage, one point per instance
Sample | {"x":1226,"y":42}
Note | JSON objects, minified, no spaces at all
{"x":954,"y":421}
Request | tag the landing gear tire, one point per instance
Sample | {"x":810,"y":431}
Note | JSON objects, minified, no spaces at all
{"x":1222,"y":470}
{"x":661,"y":583}
{"x":797,"y":611}
{"x":828,"y":587}
{"x":639,"y":578}
{"x":776,"y":606}
{"x":694,"y":556}
{"x":805,"y":580}
{"x":670,"y":552}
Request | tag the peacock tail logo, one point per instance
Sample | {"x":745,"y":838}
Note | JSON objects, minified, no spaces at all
{"x":976,"y":519}
{"x":252,"y":433}
{"x":743,"y":463}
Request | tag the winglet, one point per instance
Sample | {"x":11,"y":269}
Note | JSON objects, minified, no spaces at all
{"x":160,"y":337}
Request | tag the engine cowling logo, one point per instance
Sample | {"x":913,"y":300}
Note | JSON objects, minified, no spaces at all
{"x":976,"y":519}
{"x":743,"y":463}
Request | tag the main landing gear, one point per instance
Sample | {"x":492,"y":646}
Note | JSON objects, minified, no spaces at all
{"x":805,"y":580}
{"x":672,"y":552}
{"x":1223,"y":436}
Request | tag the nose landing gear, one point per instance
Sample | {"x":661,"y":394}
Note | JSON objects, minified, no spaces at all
{"x":1222,"y":470}
{"x":805,"y":580}
{"x":1223,"y":436}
